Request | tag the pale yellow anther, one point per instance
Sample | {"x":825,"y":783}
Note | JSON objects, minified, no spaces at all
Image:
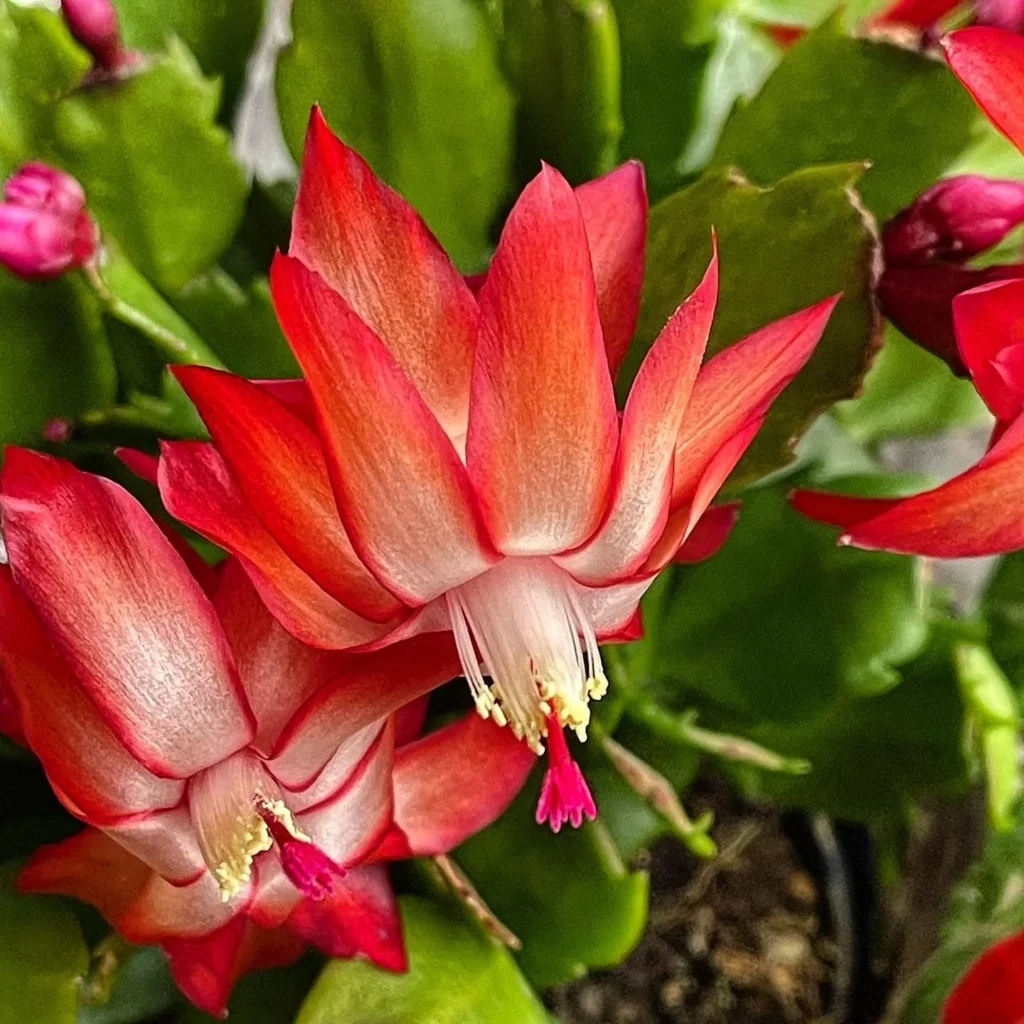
{"x":597,"y":686}
{"x":233,"y":873}
{"x":498,"y":715}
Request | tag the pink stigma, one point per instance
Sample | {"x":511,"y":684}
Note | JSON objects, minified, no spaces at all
{"x":308,"y":868}
{"x":565,"y":795}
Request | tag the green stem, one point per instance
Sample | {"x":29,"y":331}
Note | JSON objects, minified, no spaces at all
{"x":174,"y":347}
{"x":681,"y":728}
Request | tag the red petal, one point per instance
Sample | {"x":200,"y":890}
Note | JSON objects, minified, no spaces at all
{"x":91,"y":867}
{"x":82,"y":756}
{"x":456,"y":781}
{"x":919,"y":13}
{"x":990,"y":321}
{"x":371,"y":687}
{"x":408,"y":720}
{"x":639,"y":503}
{"x":614,"y":209}
{"x":10,"y":716}
{"x":141,"y":636}
{"x":992,"y":990}
{"x":278,"y":672}
{"x":197,"y":487}
{"x":976,"y":513}
{"x":142,"y":464}
{"x":360,"y":917}
{"x":279,"y":464}
{"x":990,"y":62}
{"x":162,"y":911}
{"x":709,"y":535}
{"x":739,"y":383}
{"x":373,"y":248}
{"x":403,"y":494}
{"x":207,"y":968}
{"x":840,"y":509}
{"x":294,"y":394}
{"x":542,"y":431}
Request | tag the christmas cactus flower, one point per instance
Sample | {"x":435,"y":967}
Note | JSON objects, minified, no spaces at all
{"x":977,"y":512}
{"x":241,"y":787}
{"x":454,"y":459}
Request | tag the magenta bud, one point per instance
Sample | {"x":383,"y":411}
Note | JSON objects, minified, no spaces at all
{"x":1006,"y":14}
{"x":39,"y":186}
{"x":58,"y":430}
{"x":45,"y":228}
{"x":94,"y":24}
{"x":954,"y":220}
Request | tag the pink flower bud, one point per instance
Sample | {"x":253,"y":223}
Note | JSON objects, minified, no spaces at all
{"x":954,"y":220}
{"x":41,"y":187}
{"x":1007,"y":14}
{"x":94,"y":24}
{"x":45,"y":228}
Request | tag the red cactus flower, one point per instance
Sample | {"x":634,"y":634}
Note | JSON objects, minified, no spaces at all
{"x":456,"y":462}
{"x":237,"y":782}
{"x":94,"y":24}
{"x":45,"y":228}
{"x":992,"y":990}
{"x":977,"y":512}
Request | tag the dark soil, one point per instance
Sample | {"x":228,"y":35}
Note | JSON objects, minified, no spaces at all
{"x":738,"y":940}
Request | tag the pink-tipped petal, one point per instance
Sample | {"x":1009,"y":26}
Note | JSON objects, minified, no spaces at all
{"x":989,"y":325}
{"x":739,"y":382}
{"x":373,"y":248}
{"x":321,"y":782}
{"x":642,"y":483}
{"x":278,"y":672}
{"x":456,"y":781}
{"x":82,"y":756}
{"x":614,"y":209}
{"x":359,"y":918}
{"x":990,"y":62}
{"x":369,"y":688}
{"x":91,"y":867}
{"x":976,"y":513}
{"x":542,"y":430}
{"x":141,"y":636}
{"x":279,"y":464}
{"x":197,"y":487}
{"x":612,"y":610}
{"x":165,"y":841}
{"x":403,"y":494}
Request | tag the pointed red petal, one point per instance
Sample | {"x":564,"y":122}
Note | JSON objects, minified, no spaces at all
{"x":206,"y":968}
{"x":403,"y":494}
{"x":279,"y":464}
{"x":456,"y":781}
{"x":709,"y":535}
{"x":360,"y":918}
{"x":990,"y":62}
{"x":738,"y":383}
{"x":542,"y":430}
{"x":614,"y":209}
{"x":373,"y":248}
{"x":839,"y":509}
{"x":91,"y":867}
{"x":198,"y":488}
{"x":641,"y":488}
{"x":976,"y":513}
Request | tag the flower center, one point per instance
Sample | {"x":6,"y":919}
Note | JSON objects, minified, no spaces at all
{"x":522,"y":624}
{"x":238,"y":813}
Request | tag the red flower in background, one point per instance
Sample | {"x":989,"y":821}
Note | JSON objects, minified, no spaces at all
{"x":240,"y":786}
{"x":455,"y":461}
{"x":978,"y":512}
{"x":94,"y":24}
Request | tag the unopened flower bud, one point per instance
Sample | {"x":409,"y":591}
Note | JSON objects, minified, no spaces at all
{"x":45,"y":228}
{"x":954,"y":220}
{"x":94,"y":24}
